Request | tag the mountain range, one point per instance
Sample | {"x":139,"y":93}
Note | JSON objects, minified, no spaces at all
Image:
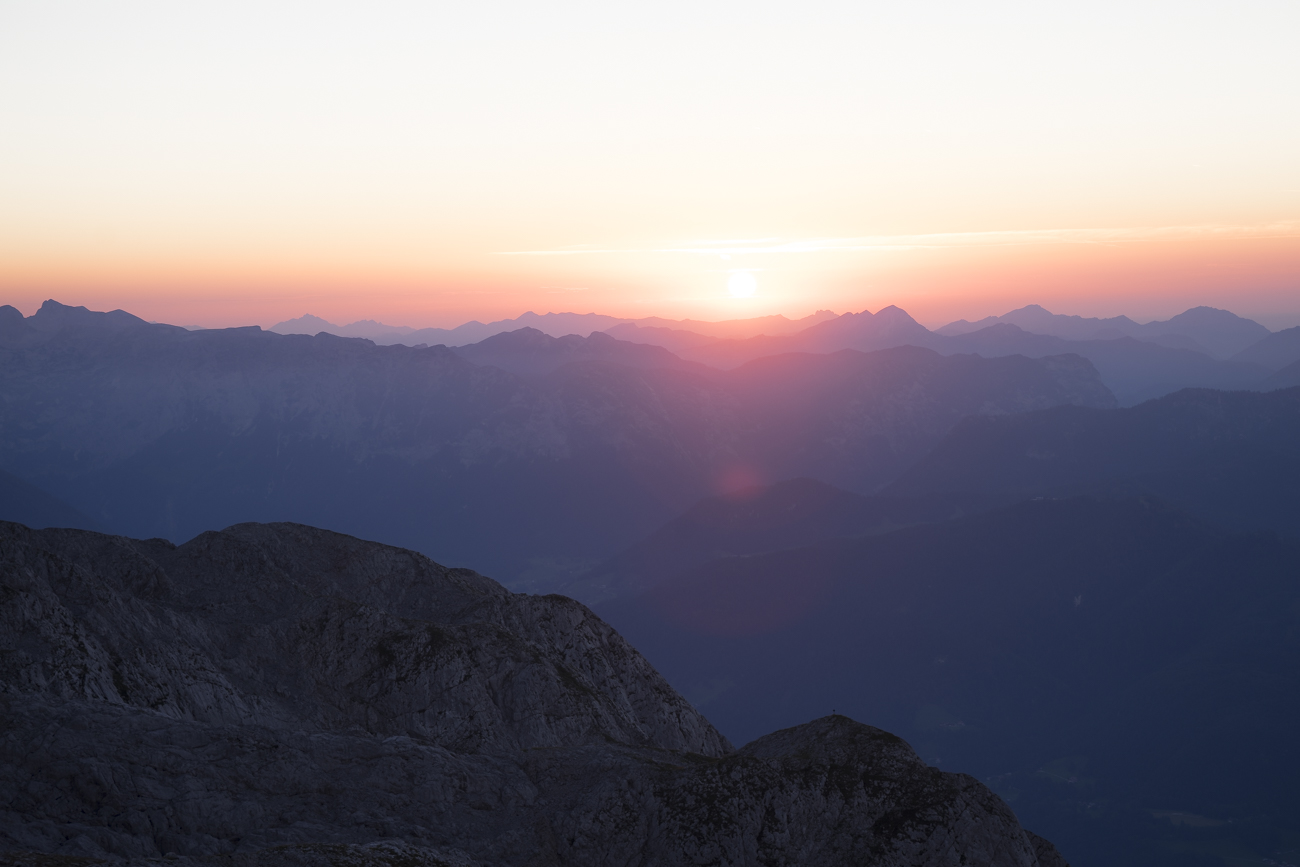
{"x":153,"y":430}
{"x":1218,"y":333}
{"x":1200,"y":348}
{"x":1134,"y":369}
{"x":1041,"y":558}
{"x":553,"y":324}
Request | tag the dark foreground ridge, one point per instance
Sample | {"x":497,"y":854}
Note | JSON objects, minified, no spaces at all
{"x":277,"y":694}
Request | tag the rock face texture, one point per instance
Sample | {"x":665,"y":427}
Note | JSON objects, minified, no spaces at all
{"x":277,"y":694}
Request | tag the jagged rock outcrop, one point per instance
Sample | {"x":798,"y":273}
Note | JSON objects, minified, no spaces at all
{"x":276,"y":694}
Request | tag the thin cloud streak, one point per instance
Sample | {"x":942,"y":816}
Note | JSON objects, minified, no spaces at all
{"x":942,"y":240}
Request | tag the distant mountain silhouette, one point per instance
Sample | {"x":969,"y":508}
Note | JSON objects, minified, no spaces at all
{"x":53,"y":317}
{"x":529,"y":352}
{"x":1287,"y":377}
{"x":1135,"y":370}
{"x":305,"y":324}
{"x":1218,"y":333}
{"x":731,"y":328}
{"x":1230,"y":457}
{"x":553,"y":324}
{"x":1221,"y":332}
{"x":675,"y":340}
{"x":1137,"y":362}
{"x":788,"y":514}
{"x":865,"y":331}
{"x":13,"y":326}
{"x":1094,"y":659}
{"x":1278,"y":350}
{"x":367,"y":328}
{"x":157,"y":431}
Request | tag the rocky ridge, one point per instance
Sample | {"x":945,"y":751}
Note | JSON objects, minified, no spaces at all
{"x":277,"y":694}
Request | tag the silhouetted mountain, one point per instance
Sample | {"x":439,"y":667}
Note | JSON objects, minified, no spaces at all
{"x":735,"y":328}
{"x":54,"y":318}
{"x":1276,"y":351}
{"x":367,"y":328}
{"x":886,"y":329}
{"x":1135,"y":370}
{"x":1218,"y":333}
{"x":1229,"y":457}
{"x":1221,"y":332}
{"x":789,"y":514}
{"x":857,"y":419}
{"x":675,"y":340}
{"x":276,"y":695}
{"x":305,"y":324}
{"x":1037,"y":319}
{"x":1136,"y":362}
{"x":687,"y":334}
{"x":24,"y":503}
{"x":1287,"y":377}
{"x":157,"y":431}
{"x":553,"y":324}
{"x":13,"y":327}
{"x":1095,"y":660}
{"x":529,"y":352}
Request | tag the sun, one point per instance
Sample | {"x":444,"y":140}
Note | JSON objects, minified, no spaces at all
{"x":741,"y":284}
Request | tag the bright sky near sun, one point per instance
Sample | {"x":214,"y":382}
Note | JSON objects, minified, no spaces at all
{"x":427,"y":163}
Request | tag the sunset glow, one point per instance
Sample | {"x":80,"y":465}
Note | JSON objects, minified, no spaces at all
{"x":421,"y":165}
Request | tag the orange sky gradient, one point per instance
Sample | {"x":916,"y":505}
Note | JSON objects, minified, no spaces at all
{"x":421,"y":165}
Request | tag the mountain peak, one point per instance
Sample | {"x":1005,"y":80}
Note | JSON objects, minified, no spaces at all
{"x":53,"y":316}
{"x":894,"y":313}
{"x":304,"y":324}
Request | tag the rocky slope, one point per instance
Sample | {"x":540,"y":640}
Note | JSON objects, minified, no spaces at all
{"x":277,"y":694}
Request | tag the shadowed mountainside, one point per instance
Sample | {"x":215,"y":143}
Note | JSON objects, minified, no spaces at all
{"x":789,"y":514}
{"x":157,"y":431}
{"x":1133,"y":369}
{"x":1094,"y":660}
{"x":1229,"y":457}
{"x":1287,"y":377}
{"x":272,"y":690}
{"x":1275,"y":351}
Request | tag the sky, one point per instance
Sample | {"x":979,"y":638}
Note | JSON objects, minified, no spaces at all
{"x":426,"y":163}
